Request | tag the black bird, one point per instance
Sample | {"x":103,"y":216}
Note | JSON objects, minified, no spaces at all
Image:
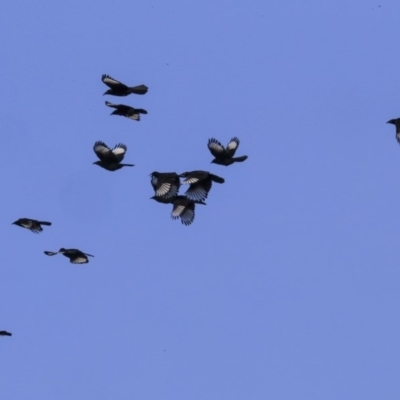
{"x":31,"y":224}
{"x":397,"y":123}
{"x":165,"y":184}
{"x":119,"y":89}
{"x":110,"y":159}
{"x":126,"y":111}
{"x":5,"y":333}
{"x":224,"y":155}
{"x":182,"y":207}
{"x":200,"y":183}
{"x":75,"y":256}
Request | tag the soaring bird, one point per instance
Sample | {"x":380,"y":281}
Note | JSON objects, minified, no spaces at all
{"x":224,"y":155}
{"x":200,"y":183}
{"x":165,"y":184}
{"x":110,"y":159}
{"x":5,"y":333}
{"x":31,"y":224}
{"x":75,"y":256}
{"x":119,"y":89}
{"x":397,"y":123}
{"x":182,"y":207}
{"x":126,"y":111}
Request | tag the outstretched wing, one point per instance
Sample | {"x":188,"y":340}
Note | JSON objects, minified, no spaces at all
{"x":102,"y":150}
{"x":199,"y":191}
{"x":216,"y":148}
{"x":113,"y":83}
{"x":232,"y":146}
{"x":119,"y":152}
{"x":184,"y":209}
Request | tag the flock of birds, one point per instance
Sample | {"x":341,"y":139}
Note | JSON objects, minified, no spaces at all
{"x":166,"y":185}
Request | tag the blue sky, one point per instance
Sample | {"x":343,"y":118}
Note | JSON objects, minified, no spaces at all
{"x":286,"y":286}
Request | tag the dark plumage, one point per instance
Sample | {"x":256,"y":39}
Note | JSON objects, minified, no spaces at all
{"x":75,"y":256}
{"x":396,"y":122}
{"x":224,"y":155}
{"x":182,"y":207}
{"x":165,"y":184}
{"x":5,"y":333}
{"x":110,"y":159}
{"x":32,"y":224}
{"x":119,"y":89}
{"x":126,"y":111}
{"x":200,"y":183}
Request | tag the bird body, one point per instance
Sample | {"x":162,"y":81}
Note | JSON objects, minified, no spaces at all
{"x":224,"y":155}
{"x":75,"y":256}
{"x":396,"y":122}
{"x":110,"y":159}
{"x":126,"y":111}
{"x":119,"y":89}
{"x":200,"y":183}
{"x":32,"y":224}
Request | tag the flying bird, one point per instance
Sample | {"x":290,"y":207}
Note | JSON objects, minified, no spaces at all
{"x":126,"y":111}
{"x":32,"y":224}
{"x":200,"y":183}
{"x":182,"y":207}
{"x":75,"y":256}
{"x":396,"y":122}
{"x":5,"y":333}
{"x":224,"y":155}
{"x":165,"y":184}
{"x":119,"y":89}
{"x":110,"y":159}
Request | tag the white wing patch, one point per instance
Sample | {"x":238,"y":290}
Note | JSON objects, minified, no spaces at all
{"x":190,"y":180}
{"x":80,"y":260}
{"x":233,"y":144}
{"x":163,"y":189}
{"x":177,"y":211}
{"x":216,"y":146}
{"x":112,"y":81}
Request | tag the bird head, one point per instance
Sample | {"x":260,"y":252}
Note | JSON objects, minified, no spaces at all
{"x":97,"y":162}
{"x":62,"y":250}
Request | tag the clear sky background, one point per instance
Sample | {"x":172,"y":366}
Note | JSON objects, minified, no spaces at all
{"x":286,"y":286}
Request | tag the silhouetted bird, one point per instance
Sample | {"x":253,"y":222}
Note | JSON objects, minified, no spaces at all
{"x":5,"y":333}
{"x":110,"y":159}
{"x":182,"y":207}
{"x":75,"y":256}
{"x":119,"y":89}
{"x":165,"y":184}
{"x":126,"y":111}
{"x":224,"y":155}
{"x":31,"y":224}
{"x":200,"y":183}
{"x":397,"y":123}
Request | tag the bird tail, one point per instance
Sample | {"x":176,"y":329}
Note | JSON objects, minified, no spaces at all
{"x":50,"y":253}
{"x":127,"y":165}
{"x":108,"y":104}
{"x":240,"y":159}
{"x":86,"y":254}
{"x":217,"y":178}
{"x":141,"y":89}
{"x":44,"y":223}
